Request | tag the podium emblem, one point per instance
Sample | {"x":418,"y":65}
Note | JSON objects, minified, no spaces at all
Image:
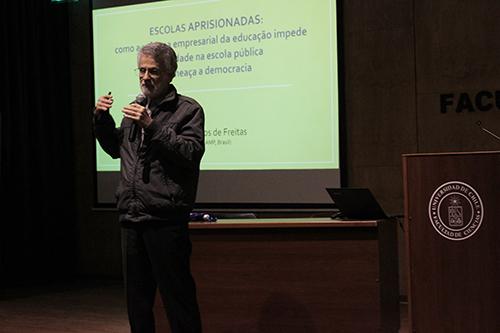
{"x":456,"y":210}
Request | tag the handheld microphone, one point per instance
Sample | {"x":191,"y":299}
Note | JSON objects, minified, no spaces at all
{"x":141,"y":100}
{"x":478,"y":123}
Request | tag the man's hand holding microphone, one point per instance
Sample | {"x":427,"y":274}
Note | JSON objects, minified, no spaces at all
{"x":134,"y":111}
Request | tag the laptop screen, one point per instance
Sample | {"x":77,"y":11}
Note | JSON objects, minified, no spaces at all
{"x":356,"y":203}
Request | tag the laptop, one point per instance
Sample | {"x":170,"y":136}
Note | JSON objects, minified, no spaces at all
{"x":356,"y":204}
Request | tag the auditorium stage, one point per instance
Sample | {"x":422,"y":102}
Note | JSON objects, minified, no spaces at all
{"x":292,"y":275}
{"x":76,"y":307}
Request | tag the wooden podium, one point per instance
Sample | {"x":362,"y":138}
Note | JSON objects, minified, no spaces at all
{"x":452,"y":229}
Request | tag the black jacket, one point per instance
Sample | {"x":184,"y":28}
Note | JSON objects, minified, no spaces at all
{"x":160,"y":169}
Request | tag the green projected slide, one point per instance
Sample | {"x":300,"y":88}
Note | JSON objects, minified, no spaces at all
{"x":265,"y":73}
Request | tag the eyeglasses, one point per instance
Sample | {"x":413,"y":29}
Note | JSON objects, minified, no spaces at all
{"x":153,"y":71}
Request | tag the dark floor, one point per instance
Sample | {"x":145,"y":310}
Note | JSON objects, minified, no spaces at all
{"x":78,"y":307}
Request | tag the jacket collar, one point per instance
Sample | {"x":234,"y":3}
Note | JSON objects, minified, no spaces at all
{"x":169,"y":101}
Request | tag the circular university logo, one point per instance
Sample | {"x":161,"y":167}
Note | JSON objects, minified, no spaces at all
{"x":456,"y":210}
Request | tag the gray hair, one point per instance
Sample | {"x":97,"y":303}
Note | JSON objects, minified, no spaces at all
{"x":163,"y":54}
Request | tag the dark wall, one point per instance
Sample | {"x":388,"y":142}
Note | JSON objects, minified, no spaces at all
{"x":401,"y":58}
{"x":38,"y":223}
{"x":457,"y":53}
{"x":98,"y":229}
{"x":379,"y":55}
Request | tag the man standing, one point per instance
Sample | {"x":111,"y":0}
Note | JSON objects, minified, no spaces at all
{"x":160,"y":143}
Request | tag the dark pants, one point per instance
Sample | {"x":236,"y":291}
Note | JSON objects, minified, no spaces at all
{"x":156,"y":255}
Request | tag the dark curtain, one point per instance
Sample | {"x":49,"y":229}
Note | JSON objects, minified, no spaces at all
{"x":37,"y":228}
